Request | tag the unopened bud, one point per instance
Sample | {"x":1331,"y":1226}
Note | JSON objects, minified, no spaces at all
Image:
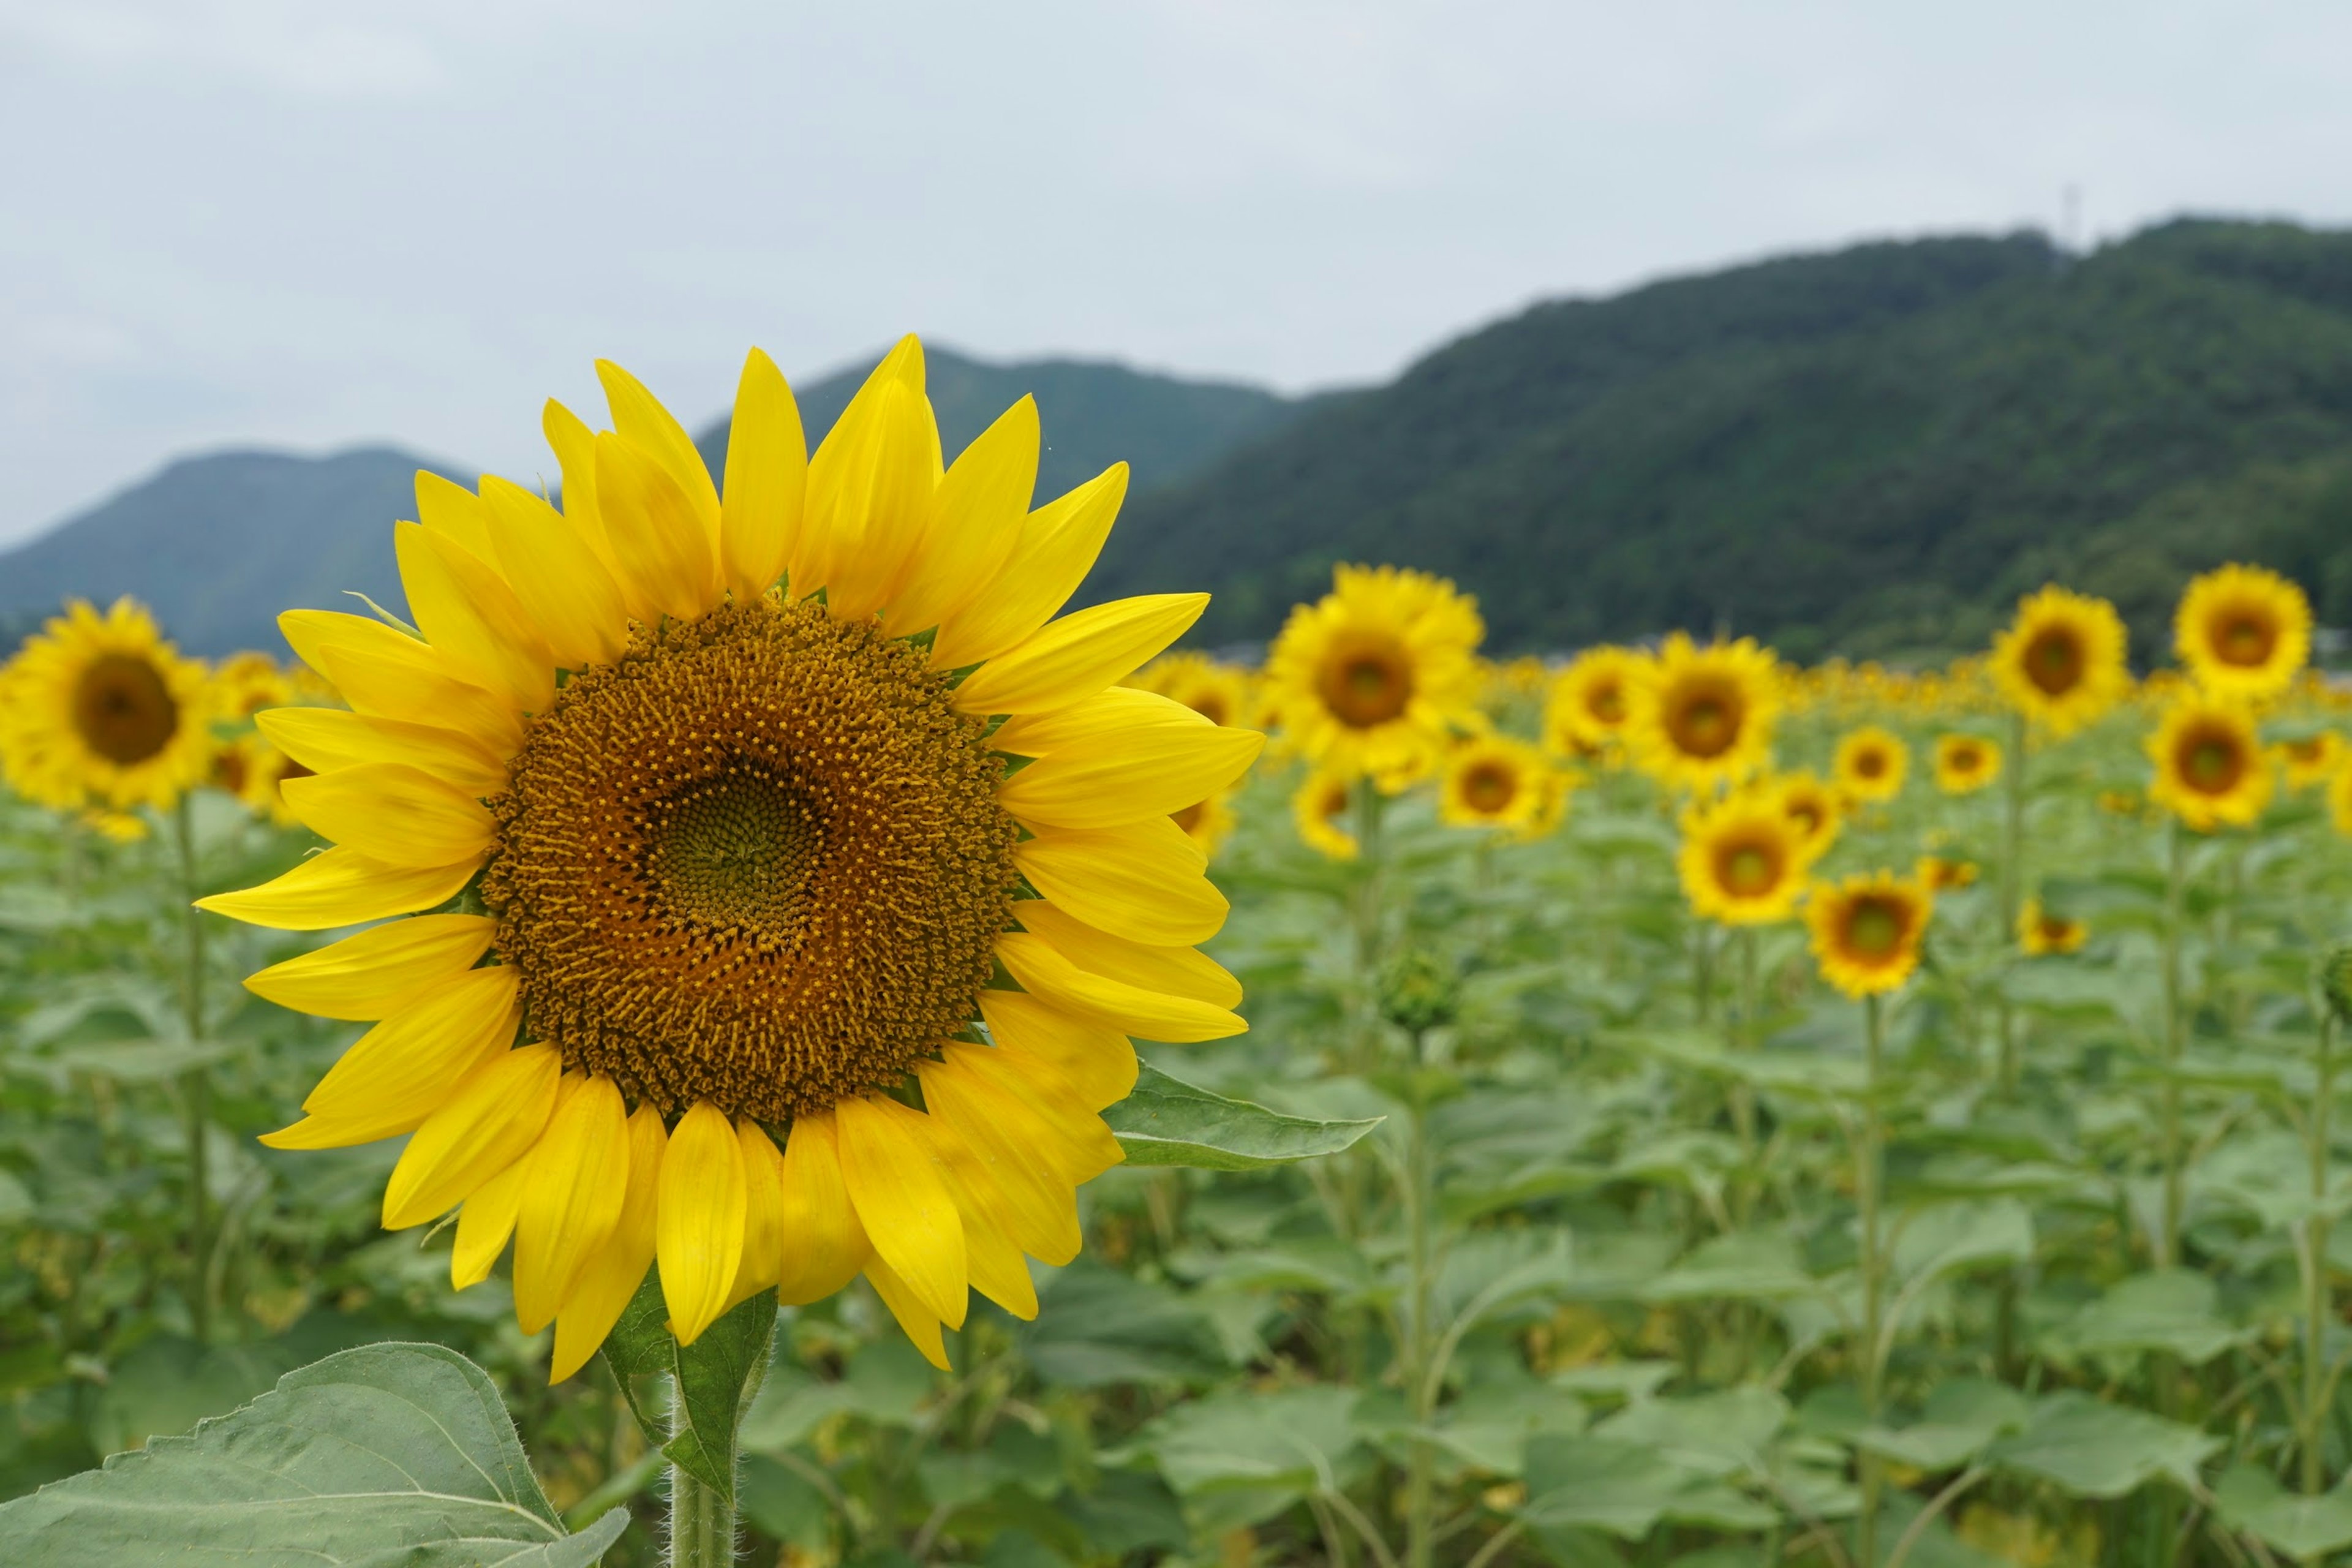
{"x":1418,"y":993}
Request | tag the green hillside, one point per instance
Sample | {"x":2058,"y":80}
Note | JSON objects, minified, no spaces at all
{"x":220,"y":543}
{"x":1868,"y":451}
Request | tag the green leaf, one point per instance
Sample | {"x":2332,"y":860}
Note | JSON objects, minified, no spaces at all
{"x":1626,"y":1489}
{"x":2305,"y":1527}
{"x":784,"y":1504}
{"x":1291,"y":1439}
{"x":1167,"y":1122}
{"x":640,"y":1346}
{"x":2093,"y":1450}
{"x":2174,"y":1311}
{"x":392,"y":1453}
{"x":1751,"y":1264}
{"x":1718,"y":1434}
{"x":716,"y":1379}
{"x":1962,"y":1418}
{"x":1096,"y":1326}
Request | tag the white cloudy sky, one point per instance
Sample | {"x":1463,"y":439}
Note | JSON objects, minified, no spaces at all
{"x":281,"y":222}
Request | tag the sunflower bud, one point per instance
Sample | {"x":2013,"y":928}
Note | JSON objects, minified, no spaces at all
{"x":1418,"y":991}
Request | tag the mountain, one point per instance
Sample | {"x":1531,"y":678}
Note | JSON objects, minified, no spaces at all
{"x":218,"y":544}
{"x":1869,"y":451}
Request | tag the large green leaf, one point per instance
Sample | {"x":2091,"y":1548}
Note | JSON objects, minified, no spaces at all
{"x":1292,"y":1440}
{"x":2305,"y":1527}
{"x":712,"y":1381}
{"x":1096,"y":1326}
{"x":2091,"y":1448}
{"x":1167,"y":1122}
{"x":2174,"y":1311}
{"x":389,"y":1453}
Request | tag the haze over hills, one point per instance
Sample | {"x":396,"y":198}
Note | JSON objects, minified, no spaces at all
{"x":219,"y":544}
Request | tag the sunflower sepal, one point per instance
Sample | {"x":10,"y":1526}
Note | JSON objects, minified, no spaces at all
{"x":716,"y":1377}
{"x":1167,"y":1122}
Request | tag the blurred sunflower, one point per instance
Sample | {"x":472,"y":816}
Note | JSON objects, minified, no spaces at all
{"x":2244,"y":632}
{"x":2041,"y":931}
{"x":1742,"y":860}
{"x":2209,"y":763}
{"x":750,"y":865}
{"x":1377,"y":676}
{"x":2061,"y":662}
{"x":1217,"y":692}
{"x":1966,"y":763}
{"x":2311,"y":759}
{"x":1207,"y":823}
{"x":1318,"y":807}
{"x":101,"y":708}
{"x":1812,"y":806}
{"x":1940,"y":873}
{"x":2339,"y":799}
{"x":1703,"y":718}
{"x":244,"y":683}
{"x":1870,"y":763}
{"x":1491,"y":780}
{"x":1592,"y":700}
{"x":1867,"y":930}
{"x":251,"y":768}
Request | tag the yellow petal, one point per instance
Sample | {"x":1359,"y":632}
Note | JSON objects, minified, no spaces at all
{"x":1040,"y":1209}
{"x":1056,"y":549}
{"x":390,"y":675}
{"x":490,"y":1124}
{"x":1098,"y":1060}
{"x":472,"y":618}
{"x":764,"y":1212}
{"x":767,"y":480}
{"x":824,"y":1246}
{"x":612,"y":1274}
{"x":378,"y":971}
{"x":892,"y":1172}
{"x":1118,"y":709}
{"x":406,"y":1068}
{"x":484,"y":1224}
{"x":452,"y":510}
{"x":668,"y":563}
{"x":645,"y":423}
{"x":915,"y":1321}
{"x":976,"y":515}
{"x":575,"y":444}
{"x":1077,"y":1142}
{"x":990,"y":1255}
{"x":341,"y":888}
{"x":1177,"y":971}
{"x":1155,"y":1015}
{"x":392,"y":813}
{"x":1129,"y":776}
{"x":1079,"y":655}
{"x":698,"y":1234}
{"x":325,"y":739}
{"x":869,"y":507}
{"x":1144,"y":881}
{"x":558,"y":578}
{"x":579,"y":1176}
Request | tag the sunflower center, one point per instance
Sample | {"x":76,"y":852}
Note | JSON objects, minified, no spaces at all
{"x":2053,"y":662}
{"x":2055,"y":930}
{"x":1806,"y":816}
{"x":758,"y":861}
{"x":1705,"y":724}
{"x":1749,"y":869}
{"x":1367,"y":684}
{"x":1965,"y":759}
{"x":123,"y":710}
{"x":1209,"y":705}
{"x":1870,"y":764}
{"x":2308,"y":750}
{"x":1608,"y":703}
{"x":2245,"y":639}
{"x":2212,"y":763}
{"x":1489,"y":788}
{"x":1874,"y":929}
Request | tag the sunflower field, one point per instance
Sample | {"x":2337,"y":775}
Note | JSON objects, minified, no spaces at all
{"x":724,"y":1030}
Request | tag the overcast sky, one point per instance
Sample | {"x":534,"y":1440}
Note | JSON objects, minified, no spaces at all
{"x":306,"y":225}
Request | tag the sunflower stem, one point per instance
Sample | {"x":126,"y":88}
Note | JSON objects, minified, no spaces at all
{"x":2012,"y":878}
{"x":1421,"y":1387}
{"x":702,"y":1524}
{"x":1868,"y":1174}
{"x":2167,"y":1247}
{"x":196,"y":1083}
{"x":2315,"y":1266}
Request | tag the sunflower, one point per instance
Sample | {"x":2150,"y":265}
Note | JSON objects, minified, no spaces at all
{"x":115,"y":826}
{"x":2243,"y":632}
{"x":251,"y":768}
{"x":1703,"y":717}
{"x":1812,"y":807}
{"x":1377,"y":676}
{"x":1207,"y":823}
{"x":2311,"y":759}
{"x":1318,"y":808}
{"x":2209,"y":763}
{"x":2061,"y":662}
{"x":1218,"y":692}
{"x":1870,"y":763}
{"x":1866,"y":932}
{"x":2120,"y":802}
{"x":1493,"y":781}
{"x":1966,"y":763}
{"x":244,"y":683}
{"x":748,"y":869}
{"x":101,"y":708}
{"x":2039,"y":932}
{"x":1742,"y":860}
{"x":1940,"y":873}
{"x":1591,"y":699}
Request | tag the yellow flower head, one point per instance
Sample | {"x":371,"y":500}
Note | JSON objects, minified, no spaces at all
{"x":1319,"y":807}
{"x":1812,"y":805}
{"x":114,"y":827}
{"x":2311,"y":759}
{"x":1216,"y":691}
{"x":1742,"y":861}
{"x":2120,"y":802}
{"x":1376,"y":675}
{"x":1592,"y":700}
{"x":1870,"y":763}
{"x":255,"y":771}
{"x":1939,"y":874}
{"x":244,"y":683}
{"x":101,"y":708}
{"x":1703,"y":718}
{"x":750,"y":867}
{"x":2210,"y":770}
{"x":1207,"y":823}
{"x":2041,"y":931}
{"x":2061,"y":662}
{"x":1866,"y":932}
{"x":1966,"y":763}
{"x":2244,"y":632}
{"x":1491,"y":780}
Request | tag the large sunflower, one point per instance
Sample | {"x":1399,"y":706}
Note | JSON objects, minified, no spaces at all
{"x":1870,"y":763}
{"x":1742,"y":860}
{"x":1591,"y":699}
{"x":1493,"y":781}
{"x":101,"y":708}
{"x":1703,"y":717}
{"x":1866,"y":932}
{"x":2243,"y":632}
{"x":1965,"y":764}
{"x":2061,"y":662}
{"x":746,"y":860}
{"x":1377,"y":676}
{"x":2210,"y":768}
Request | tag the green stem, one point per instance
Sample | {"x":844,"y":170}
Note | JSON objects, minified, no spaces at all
{"x":702,"y":1524}
{"x":196,"y":1083}
{"x":2012,"y":887}
{"x":1369,"y":894}
{"x":1420,"y":1388}
{"x":1868,"y":1177}
{"x":2315,"y":1311}
{"x":2168,"y":1247}
{"x":1747,"y":1036}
